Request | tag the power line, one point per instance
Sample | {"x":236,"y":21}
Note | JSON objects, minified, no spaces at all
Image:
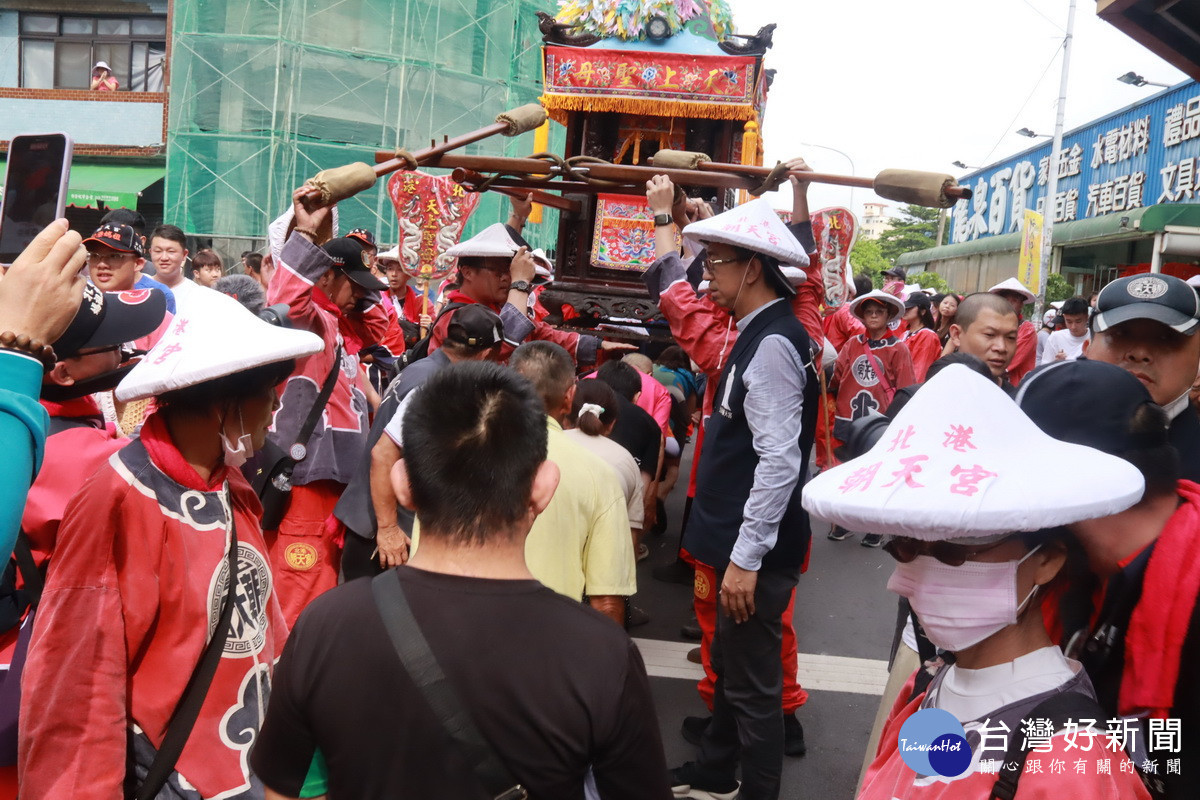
{"x":1021,"y":110}
{"x":1043,"y":16}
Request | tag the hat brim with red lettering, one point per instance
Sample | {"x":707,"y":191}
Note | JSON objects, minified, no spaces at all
{"x":213,"y":337}
{"x":122,"y":238}
{"x":753,"y":226}
{"x":105,"y":319}
{"x":1162,"y":298}
{"x":953,"y":465}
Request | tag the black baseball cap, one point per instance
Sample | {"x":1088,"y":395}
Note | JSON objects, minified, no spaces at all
{"x":918,"y":300}
{"x":897,"y":272}
{"x":119,"y":237}
{"x":350,"y":259}
{"x":1088,"y":402}
{"x":110,"y":318}
{"x":475,"y":326}
{"x":1162,"y":298}
{"x":365,"y":236}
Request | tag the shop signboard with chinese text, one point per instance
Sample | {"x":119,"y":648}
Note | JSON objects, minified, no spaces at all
{"x":1144,"y":154}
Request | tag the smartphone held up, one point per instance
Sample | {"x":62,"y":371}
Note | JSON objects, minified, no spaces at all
{"x":35,"y":189}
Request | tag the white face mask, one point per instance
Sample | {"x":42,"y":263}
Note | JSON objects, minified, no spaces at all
{"x":236,"y":456}
{"x":961,"y":606}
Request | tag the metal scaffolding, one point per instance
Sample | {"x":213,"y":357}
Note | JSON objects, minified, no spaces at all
{"x":265,"y":93}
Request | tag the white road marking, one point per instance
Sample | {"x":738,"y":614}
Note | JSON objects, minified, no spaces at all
{"x":815,"y":672}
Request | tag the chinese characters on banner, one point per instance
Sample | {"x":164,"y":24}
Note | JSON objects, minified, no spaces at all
{"x":431,"y":211}
{"x":1128,"y":160}
{"x":1029,"y":264}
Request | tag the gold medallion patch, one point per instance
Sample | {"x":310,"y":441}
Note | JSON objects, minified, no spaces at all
{"x":300,"y":556}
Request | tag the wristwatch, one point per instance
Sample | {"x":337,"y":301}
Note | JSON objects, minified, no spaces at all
{"x":521,"y":286}
{"x":663,"y":219}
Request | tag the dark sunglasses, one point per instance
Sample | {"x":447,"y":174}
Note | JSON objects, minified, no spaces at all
{"x":904,"y":550}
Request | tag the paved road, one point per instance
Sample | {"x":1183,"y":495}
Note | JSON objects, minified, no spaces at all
{"x":844,"y":618}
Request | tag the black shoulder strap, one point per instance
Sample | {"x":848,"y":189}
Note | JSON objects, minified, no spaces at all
{"x":422,"y":666}
{"x":310,"y":424}
{"x":1059,"y":709}
{"x":35,"y":579}
{"x":184,"y":717}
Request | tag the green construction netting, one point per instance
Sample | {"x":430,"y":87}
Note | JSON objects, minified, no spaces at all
{"x":265,"y":93}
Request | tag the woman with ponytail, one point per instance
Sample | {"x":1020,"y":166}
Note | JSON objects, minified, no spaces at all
{"x":591,"y":420}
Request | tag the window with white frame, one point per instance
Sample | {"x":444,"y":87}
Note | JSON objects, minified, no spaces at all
{"x":58,"y":51}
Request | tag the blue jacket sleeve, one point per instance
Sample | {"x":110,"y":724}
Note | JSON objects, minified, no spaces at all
{"x":23,"y":427}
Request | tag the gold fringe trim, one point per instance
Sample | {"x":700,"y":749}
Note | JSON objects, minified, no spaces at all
{"x":558,"y":104}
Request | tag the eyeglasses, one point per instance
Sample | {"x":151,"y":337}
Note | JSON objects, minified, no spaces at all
{"x":724,"y":260}
{"x":904,"y":550}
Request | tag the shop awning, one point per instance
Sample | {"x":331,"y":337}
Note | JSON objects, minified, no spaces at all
{"x":1133,"y":224}
{"x":117,"y":186}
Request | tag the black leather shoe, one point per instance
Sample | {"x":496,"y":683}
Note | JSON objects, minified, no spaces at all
{"x":694,"y":727}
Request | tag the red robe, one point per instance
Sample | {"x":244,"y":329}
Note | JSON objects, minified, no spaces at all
{"x":925,"y":348}
{"x":138,"y":581}
{"x":889,"y":778}
{"x":1025,"y":358}
{"x":859,"y":389}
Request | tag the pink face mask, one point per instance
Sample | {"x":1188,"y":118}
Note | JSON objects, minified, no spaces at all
{"x":961,"y":606}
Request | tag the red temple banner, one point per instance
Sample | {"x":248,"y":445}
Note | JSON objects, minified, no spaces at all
{"x":663,"y":84}
{"x":432,"y":211}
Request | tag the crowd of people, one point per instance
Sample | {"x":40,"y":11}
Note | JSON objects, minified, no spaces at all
{"x":264,"y":524}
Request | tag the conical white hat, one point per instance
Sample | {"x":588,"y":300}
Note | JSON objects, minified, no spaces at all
{"x":889,"y":300}
{"x":955,"y":463}
{"x":214,"y":336}
{"x":1014,"y":285}
{"x":491,"y":242}
{"x":754,"y":226}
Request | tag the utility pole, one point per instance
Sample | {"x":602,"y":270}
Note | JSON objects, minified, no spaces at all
{"x":1048,"y":205}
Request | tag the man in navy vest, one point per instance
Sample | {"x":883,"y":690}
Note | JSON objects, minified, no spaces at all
{"x":746,"y":518}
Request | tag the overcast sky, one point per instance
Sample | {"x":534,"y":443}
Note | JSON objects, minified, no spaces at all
{"x":923,"y":83}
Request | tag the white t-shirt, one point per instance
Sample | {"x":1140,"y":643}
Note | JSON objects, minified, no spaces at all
{"x":1063,"y":341}
{"x":185,"y":291}
{"x":628,"y":473}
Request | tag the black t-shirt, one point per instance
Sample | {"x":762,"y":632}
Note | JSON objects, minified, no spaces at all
{"x":637,"y":432}
{"x":1184,"y":434}
{"x":552,"y":685}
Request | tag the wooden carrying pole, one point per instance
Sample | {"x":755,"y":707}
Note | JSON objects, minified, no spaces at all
{"x":922,"y":188}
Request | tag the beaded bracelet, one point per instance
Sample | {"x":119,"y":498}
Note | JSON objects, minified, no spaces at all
{"x":20,"y":343}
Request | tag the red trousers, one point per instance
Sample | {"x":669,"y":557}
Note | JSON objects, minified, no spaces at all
{"x":305,"y":552}
{"x":704,"y":599}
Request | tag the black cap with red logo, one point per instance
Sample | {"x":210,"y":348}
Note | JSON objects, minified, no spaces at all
{"x":119,"y":237}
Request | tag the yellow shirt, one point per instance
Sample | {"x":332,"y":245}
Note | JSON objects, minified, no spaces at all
{"x":581,"y":544}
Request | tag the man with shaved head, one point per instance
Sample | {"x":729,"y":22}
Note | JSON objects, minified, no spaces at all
{"x":986,"y":327}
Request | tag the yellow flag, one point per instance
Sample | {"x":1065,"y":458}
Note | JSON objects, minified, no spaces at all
{"x":1029,"y":267}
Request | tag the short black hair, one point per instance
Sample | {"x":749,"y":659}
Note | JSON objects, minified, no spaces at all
{"x":126,"y":216}
{"x":1075,"y":305}
{"x":548,"y":367}
{"x":862,"y":284}
{"x":623,"y":378}
{"x":1159,"y":462}
{"x":474,"y":437}
{"x":972,"y":304}
{"x":254,"y":262}
{"x":170,"y":232}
